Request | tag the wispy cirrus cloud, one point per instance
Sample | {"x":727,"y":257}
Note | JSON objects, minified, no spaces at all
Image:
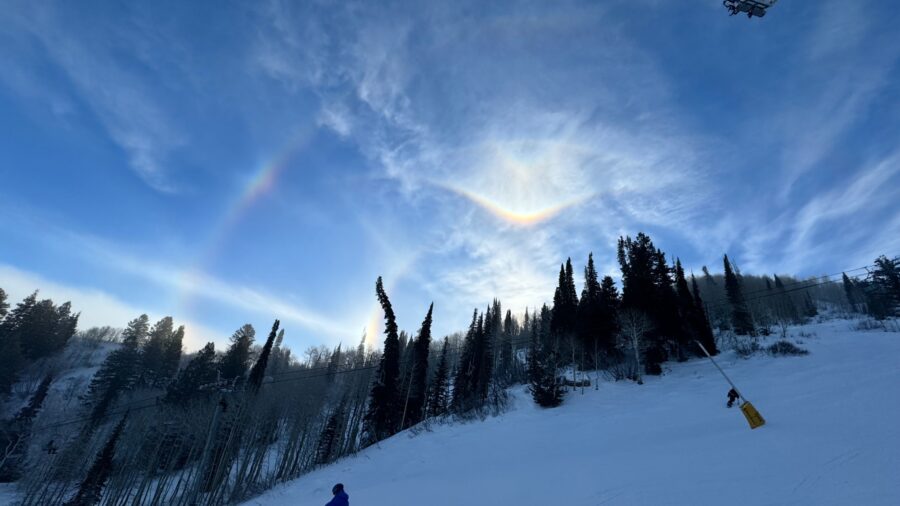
{"x":117,"y":94}
{"x":478,"y":129}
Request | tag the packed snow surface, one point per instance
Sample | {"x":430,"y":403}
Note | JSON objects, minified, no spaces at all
{"x":832,"y":437}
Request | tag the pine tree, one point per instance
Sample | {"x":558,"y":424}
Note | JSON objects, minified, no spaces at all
{"x":505,"y":364}
{"x":882,"y":289}
{"x":741,"y":320}
{"x":14,"y":435}
{"x":334,"y":363}
{"x":565,"y":303}
{"x":236,"y":359}
{"x":91,"y":489}
{"x":690,"y":307}
{"x":851,"y":291}
{"x":706,"y":334}
{"x":40,"y":327}
{"x":172,"y":354}
{"x":258,"y":372}
{"x":329,"y":439}
{"x":155,"y":372}
{"x":462,"y":380}
{"x":647,"y":288}
{"x":590,"y":310}
{"x":438,"y":395}
{"x":120,"y":371}
{"x":13,"y":331}
{"x":786,"y":309}
{"x":672,"y":333}
{"x":419,"y":380}
{"x":546,"y":388}
{"x":200,"y":371}
{"x":383,"y":414}
{"x":609,"y":307}
{"x":4,"y":306}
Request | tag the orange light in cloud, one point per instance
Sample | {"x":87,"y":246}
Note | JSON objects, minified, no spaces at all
{"x":522,"y":217}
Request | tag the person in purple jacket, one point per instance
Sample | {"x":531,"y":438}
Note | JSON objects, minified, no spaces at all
{"x":340,"y":497}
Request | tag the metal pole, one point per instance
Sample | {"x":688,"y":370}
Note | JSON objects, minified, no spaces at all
{"x":720,"y":370}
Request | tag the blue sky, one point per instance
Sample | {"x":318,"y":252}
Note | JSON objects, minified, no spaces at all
{"x":231,"y":162}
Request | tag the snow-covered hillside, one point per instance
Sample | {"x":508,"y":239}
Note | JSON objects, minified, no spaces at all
{"x":832,"y":438}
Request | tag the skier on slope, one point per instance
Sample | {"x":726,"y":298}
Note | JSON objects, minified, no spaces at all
{"x":340,"y":497}
{"x":732,"y":396}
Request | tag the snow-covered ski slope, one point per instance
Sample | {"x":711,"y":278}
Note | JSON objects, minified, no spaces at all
{"x":832,"y":438}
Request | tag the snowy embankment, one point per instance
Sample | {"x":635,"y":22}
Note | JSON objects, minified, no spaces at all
{"x":832,"y":438}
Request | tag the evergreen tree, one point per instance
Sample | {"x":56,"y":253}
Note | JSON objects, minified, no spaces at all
{"x":705,"y":329}
{"x":467,"y":374}
{"x":438,"y":395}
{"x":672,"y":331}
{"x":155,"y":372}
{"x":200,"y":371}
{"x":486,"y":339}
{"x":383,"y":414}
{"x":785,"y":310}
{"x":810,"y":308}
{"x":258,"y":372}
{"x":120,"y":371}
{"x":172,"y":354}
{"x":741,"y":320}
{"x":852,"y":292}
{"x":546,"y":388}
{"x":882,"y":289}
{"x":565,"y":303}
{"x":91,"y":489}
{"x":235,"y":360}
{"x":609,"y":307}
{"x":329,"y":439}
{"x":32,"y":330}
{"x":591,"y":317}
{"x":504,"y":373}
{"x":419,"y":382}
{"x":4,"y":306}
{"x":690,"y":308}
{"x":334,"y":363}
{"x":14,"y":435}
{"x":647,"y":289}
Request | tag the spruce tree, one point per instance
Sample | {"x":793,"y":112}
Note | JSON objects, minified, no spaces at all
{"x":590,"y":310}
{"x":882,"y":289}
{"x":4,"y":306}
{"x":438,"y":395}
{"x":851,"y":291}
{"x":609,"y":307}
{"x":741,"y":320}
{"x":329,"y":439}
{"x":706,"y":334}
{"x":258,"y":372}
{"x":153,"y":354}
{"x":786,"y":310}
{"x":45,"y":329}
{"x":466,"y":371}
{"x":690,"y":308}
{"x":119,"y":372}
{"x":419,"y":382}
{"x":334,"y":363}
{"x":235,"y":361}
{"x":200,"y":371}
{"x":383,"y":414}
{"x":14,"y":435}
{"x":647,"y":289}
{"x":505,"y":362}
{"x":565,"y":303}
{"x":546,"y":388}
{"x":12,"y":360}
{"x":91,"y":489}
